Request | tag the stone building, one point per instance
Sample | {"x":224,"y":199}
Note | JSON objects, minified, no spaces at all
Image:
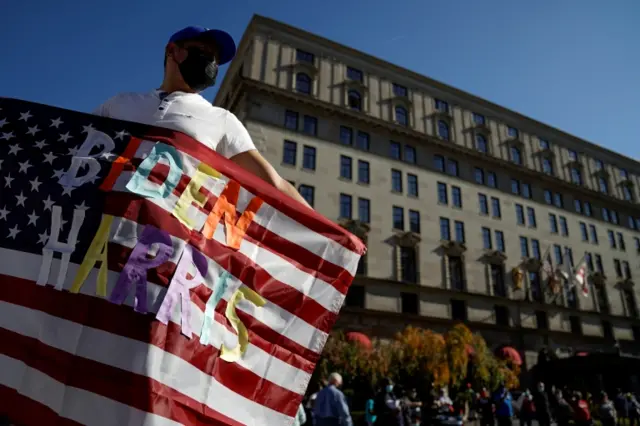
{"x":457,"y":198}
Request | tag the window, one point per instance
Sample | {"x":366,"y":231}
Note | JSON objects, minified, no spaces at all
{"x":492,"y":180}
{"x":302,"y":56}
{"x":478,"y":119}
{"x":603,"y":300}
{"x":486,"y":238}
{"x":345,"y":206}
{"x":587,"y":209}
{"x":399,"y":90}
{"x":412,"y":185}
{"x":443,"y":130}
{"x":364,"y":210}
{"x":309,"y":158}
{"x":495,"y":207}
{"x":452,"y":167}
{"x":362,"y":142}
{"x":569,"y":254}
{"x":346,"y":135}
{"x":573,"y":156}
{"x":583,"y":232}
{"x":576,"y":176}
{"x":438,"y":163}
{"x":500,"y":241}
{"x":589,"y":259}
{"x":456,"y":196}
{"x":408,"y":264}
{"x":481,"y":144}
{"x":621,"y":245}
{"x":535,"y":248}
{"x":290,"y":153}
{"x":553,"y":223}
{"x":563,"y":226}
{"x":409,"y":303}
{"x":547,"y":166}
{"x":502,"y":316}
{"x":637,"y":241}
{"x":624,"y":175}
{"x":303,"y":83}
{"x":542,"y":321}
{"x":599,"y":165}
{"x":557,"y":200}
{"x":456,"y":273}
{"x":515,"y":186}
{"x":445,"y":229}
{"x":512,"y":132}
{"x":458,"y":310}
{"x":310,"y":125}
{"x":363,"y":171}
{"x":577,"y":204}
{"x":308,"y":193}
{"x":346,"y":167}
{"x":557,"y":252}
{"x":632,"y":222}
{"x":291,"y":120}
{"x":409,"y":154}
{"x":536,"y":287}
{"x":531,"y":215}
{"x":576,"y":324}
{"x":519,"y":214}
{"x":396,"y":180}
{"x":354,"y":74}
{"x":479,"y":175}
{"x":395,"y":150}
{"x":603,"y":185}
{"x":442,"y":193}
{"x":626,"y":269}
{"x":599,"y":266}
{"x":402,"y":116}
{"x":355,"y":297}
{"x":414,"y":221}
{"x":484,"y":206}
{"x":526,"y":190}
{"x":524,"y":247}
{"x":607,"y":330}
{"x":459,"y":231}
{"x":612,"y":239}
{"x":627,"y":194}
{"x":497,"y":280}
{"x":594,"y":234}
{"x":614,"y":217}
{"x":630,"y":302}
{"x":398,"y":218}
{"x":544,"y":144}
{"x":354,"y":100}
{"x":441,"y":106}
{"x":548,"y":196}
{"x":516,"y":155}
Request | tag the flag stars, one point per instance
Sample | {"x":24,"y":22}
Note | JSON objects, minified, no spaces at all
{"x":48,"y":203}
{"x":3,"y":122}
{"x":35,"y":184}
{"x":7,"y":181}
{"x":14,"y":149}
{"x":21,"y":199}
{"x":25,"y":116}
{"x":33,"y":130}
{"x":87,"y":129}
{"x":33,"y":218}
{"x":43,"y":238}
{"x":107,"y":155}
{"x":7,"y":136}
{"x":64,"y":137}
{"x":49,"y":157}
{"x":3,"y":213}
{"x":121,"y":134}
{"x":82,"y":206}
{"x":73,"y":151}
{"x":57,"y":174}
{"x":66,"y":190}
{"x":24,"y":166}
{"x":13,"y":232}
{"x":41,"y":144}
{"x":57,"y":122}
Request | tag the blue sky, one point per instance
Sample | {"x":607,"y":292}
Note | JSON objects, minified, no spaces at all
{"x":574,"y":64}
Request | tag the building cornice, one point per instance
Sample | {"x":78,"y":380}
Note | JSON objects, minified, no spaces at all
{"x":393,"y":129}
{"x":261,"y":24}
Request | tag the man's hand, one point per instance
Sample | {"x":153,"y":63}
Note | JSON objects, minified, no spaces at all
{"x":255,"y":163}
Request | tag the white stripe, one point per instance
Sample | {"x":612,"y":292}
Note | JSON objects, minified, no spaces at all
{"x":72,"y":403}
{"x":138,"y":358}
{"x":278,"y":223}
{"x":125,"y":232}
{"x":277,"y":266}
{"x":255,"y":359}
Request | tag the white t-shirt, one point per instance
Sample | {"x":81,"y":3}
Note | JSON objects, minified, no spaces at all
{"x":188,"y":113}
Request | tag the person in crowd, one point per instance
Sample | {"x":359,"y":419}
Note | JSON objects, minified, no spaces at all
{"x":607,"y":411}
{"x":412,"y":408}
{"x":387,"y":406}
{"x":504,"y":406}
{"x":301,"y":416}
{"x":581,"y":413}
{"x":543,"y":407}
{"x":620,"y":403}
{"x":444,"y":402}
{"x":330,"y":408}
{"x":633,"y":410}
{"x":527,"y":409}
{"x":369,"y":408}
{"x":486,"y":408}
{"x":564,"y":411}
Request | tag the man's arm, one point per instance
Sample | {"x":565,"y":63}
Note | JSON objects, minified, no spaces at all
{"x":343,"y":411}
{"x":255,"y":163}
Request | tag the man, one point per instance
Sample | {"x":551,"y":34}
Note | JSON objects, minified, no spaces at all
{"x":191,"y":60}
{"x":387,"y":407}
{"x":543,"y":407}
{"x":504,"y":407}
{"x":330,"y":408}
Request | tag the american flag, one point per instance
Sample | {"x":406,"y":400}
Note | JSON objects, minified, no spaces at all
{"x":145,"y":280}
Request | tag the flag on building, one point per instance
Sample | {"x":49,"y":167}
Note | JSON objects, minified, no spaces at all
{"x":580,"y":276}
{"x":144,"y":279}
{"x":548,"y":274}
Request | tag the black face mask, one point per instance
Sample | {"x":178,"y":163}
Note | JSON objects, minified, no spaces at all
{"x":198,"y":70}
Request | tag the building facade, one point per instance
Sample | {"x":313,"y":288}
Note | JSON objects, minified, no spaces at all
{"x":458,"y":199}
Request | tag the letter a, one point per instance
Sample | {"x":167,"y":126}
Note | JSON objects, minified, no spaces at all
{"x":97,"y":253}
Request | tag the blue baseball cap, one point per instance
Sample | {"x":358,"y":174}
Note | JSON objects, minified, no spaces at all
{"x":224,"y":42}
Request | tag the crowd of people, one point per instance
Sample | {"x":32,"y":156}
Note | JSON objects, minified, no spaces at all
{"x":391,"y":405}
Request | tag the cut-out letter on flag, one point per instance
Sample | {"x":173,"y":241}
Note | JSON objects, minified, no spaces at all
{"x":242,"y":293}
{"x":210,"y":310}
{"x":84,"y":158}
{"x":97,"y":253}
{"x":193,"y":195}
{"x":58,"y":246}
{"x":140,"y":183}
{"x":179,"y":288}
{"x":235,"y":228}
{"x":134,"y":272}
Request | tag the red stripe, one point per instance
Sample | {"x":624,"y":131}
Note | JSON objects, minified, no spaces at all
{"x":251,"y":274}
{"x":22,"y":411}
{"x":140,"y":392}
{"x":272,"y":196}
{"x":123,"y":321}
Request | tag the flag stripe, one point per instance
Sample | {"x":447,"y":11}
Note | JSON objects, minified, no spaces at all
{"x":23,"y":410}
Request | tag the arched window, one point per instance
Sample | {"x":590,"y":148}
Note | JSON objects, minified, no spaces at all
{"x":303,"y":83}
{"x":481,"y":144}
{"x":401,"y":116}
{"x":443,"y":130}
{"x":354,"y":100}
